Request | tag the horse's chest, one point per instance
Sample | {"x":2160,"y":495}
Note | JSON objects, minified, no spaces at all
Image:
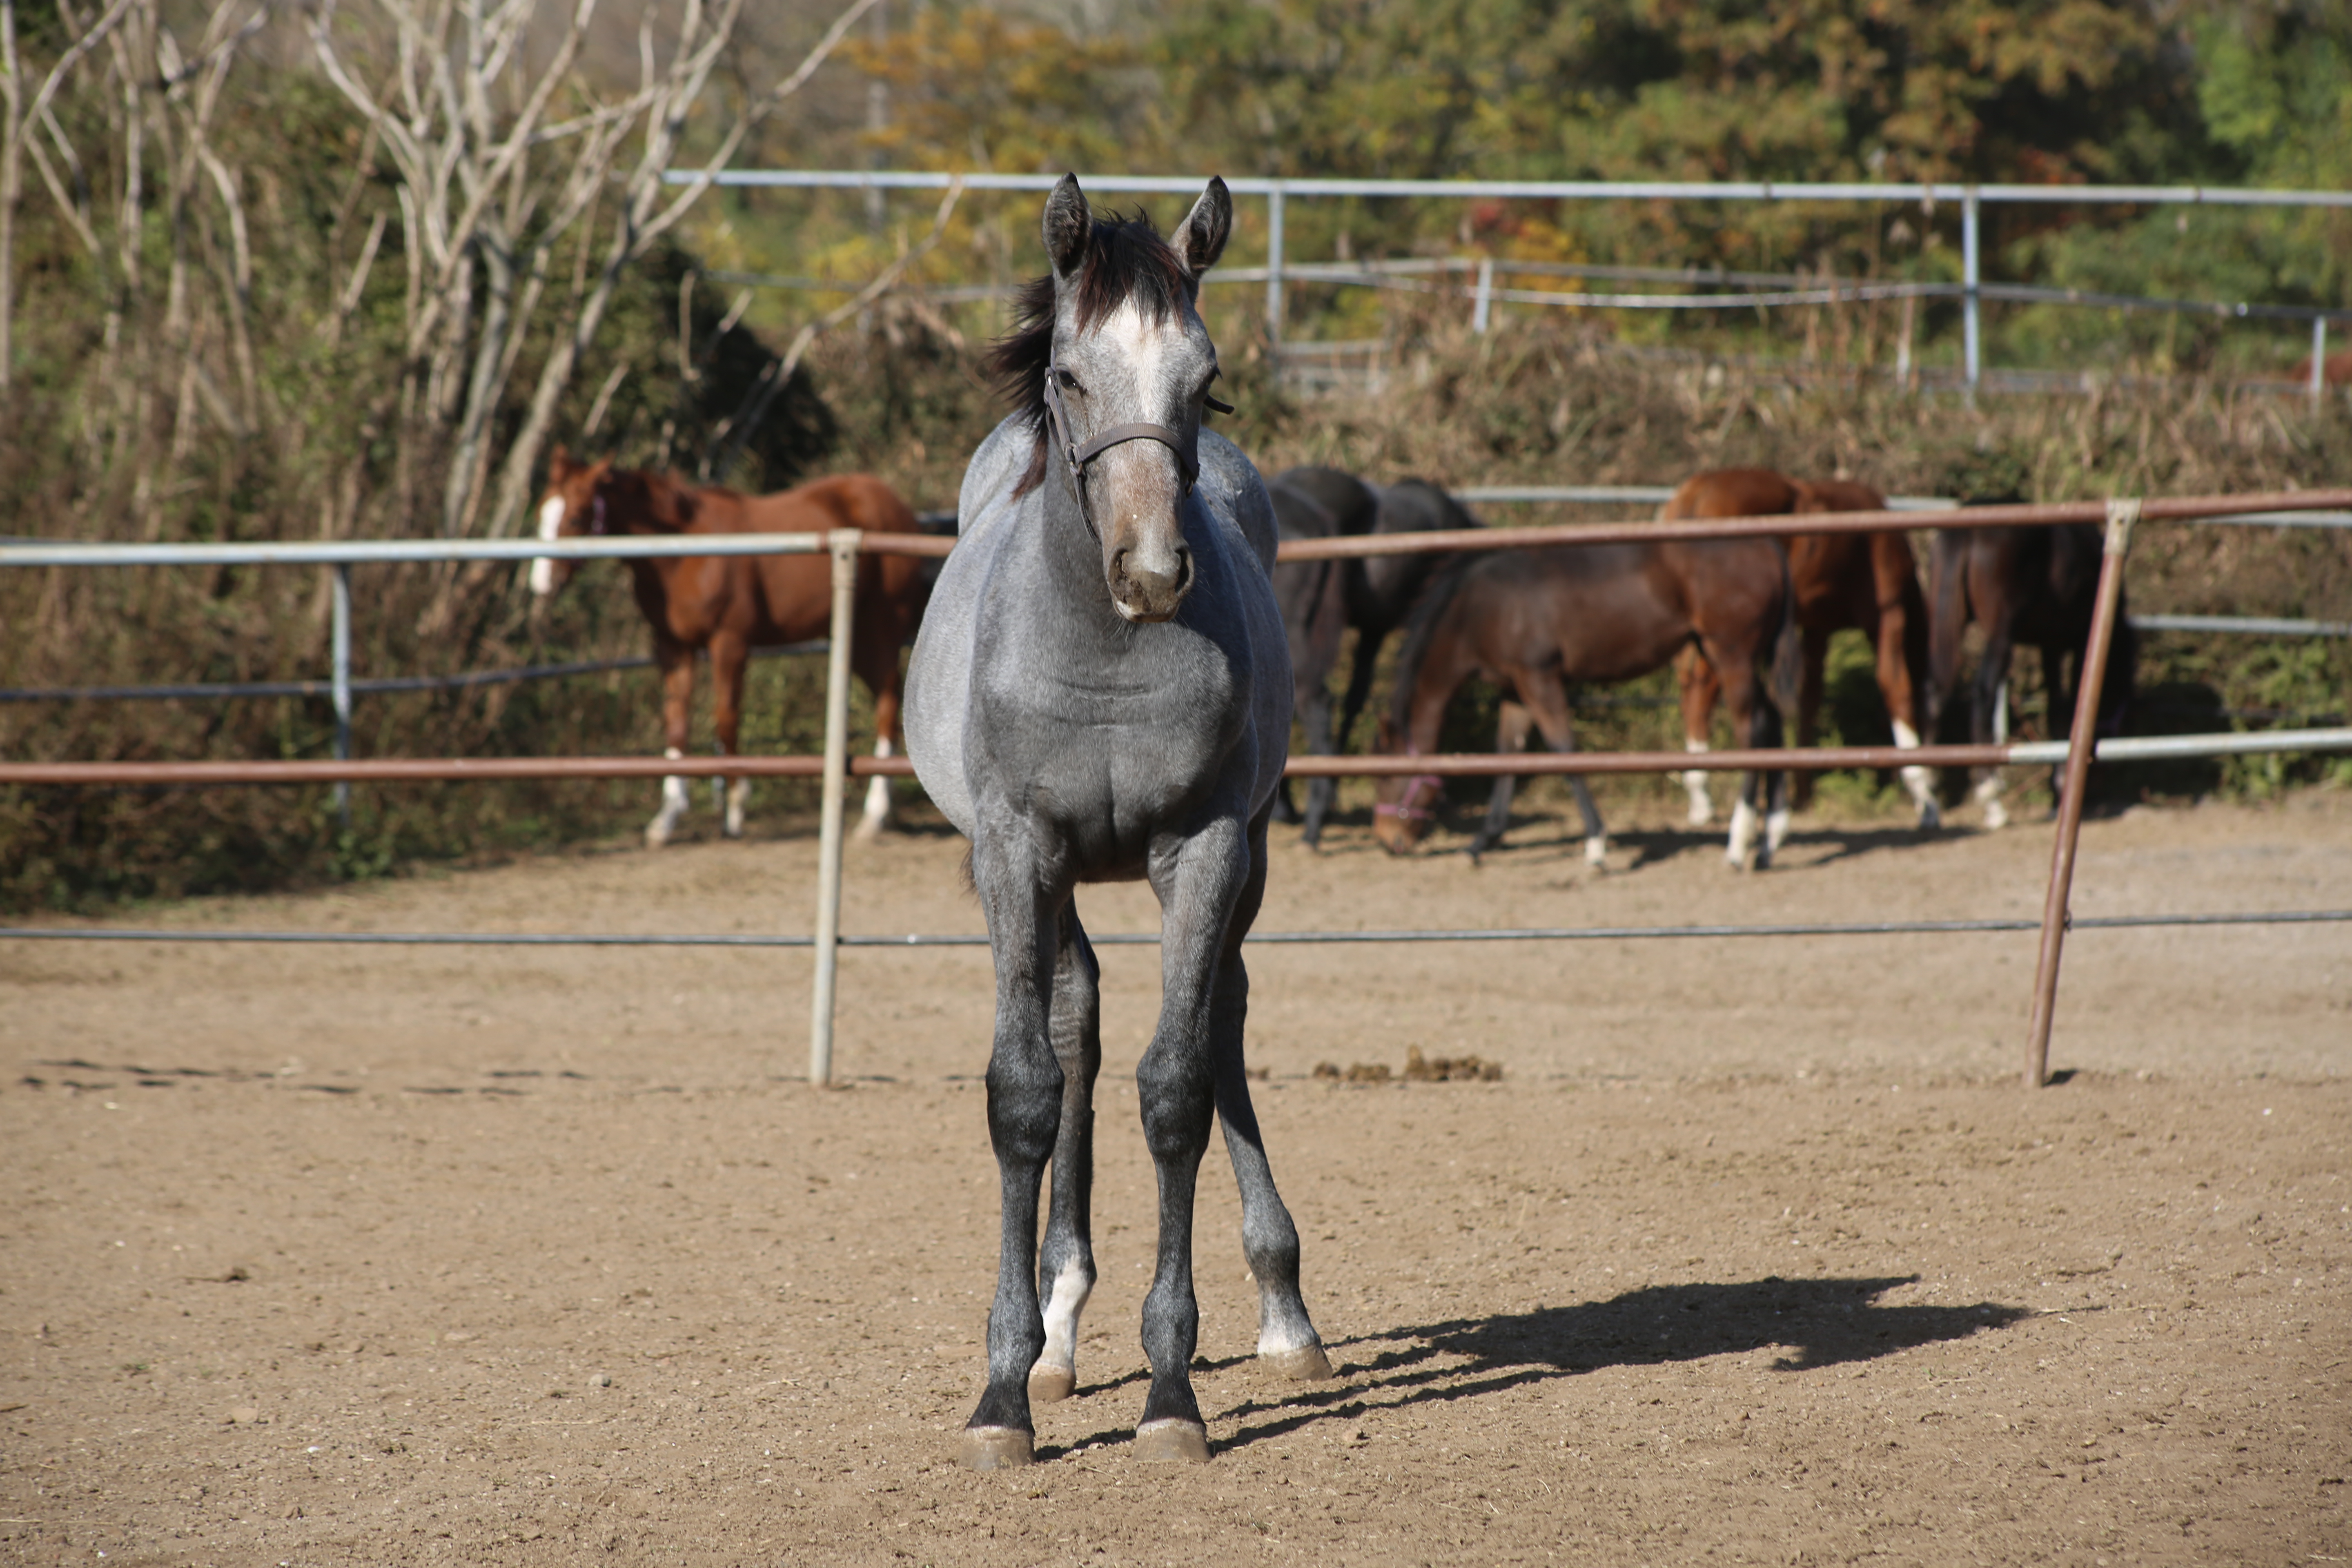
{"x":1112,"y":743}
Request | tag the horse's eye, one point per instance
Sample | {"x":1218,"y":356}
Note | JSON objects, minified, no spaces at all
{"x":1069,"y":381}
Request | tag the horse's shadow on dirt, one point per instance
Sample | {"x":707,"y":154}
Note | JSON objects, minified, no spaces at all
{"x":1812,"y":1323}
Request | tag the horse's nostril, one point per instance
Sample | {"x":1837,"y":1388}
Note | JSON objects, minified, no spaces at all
{"x":1183,"y":570}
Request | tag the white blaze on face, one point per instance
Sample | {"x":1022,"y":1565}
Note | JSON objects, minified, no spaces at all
{"x":1137,"y":501}
{"x":551,"y":525}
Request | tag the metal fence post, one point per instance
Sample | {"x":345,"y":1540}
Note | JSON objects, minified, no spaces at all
{"x":843,"y":542}
{"x":1486,"y":295}
{"x":339,"y":641}
{"x":1274,"y":266}
{"x":1971,"y":325}
{"x":2122,"y":516}
{"x":2318,"y":362}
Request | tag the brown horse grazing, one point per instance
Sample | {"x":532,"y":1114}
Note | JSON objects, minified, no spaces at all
{"x":1867,"y":580}
{"x":730,"y":604}
{"x":2036,"y":586}
{"x":1532,"y":620}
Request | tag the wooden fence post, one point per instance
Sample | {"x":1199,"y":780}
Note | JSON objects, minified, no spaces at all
{"x":2122,"y":516}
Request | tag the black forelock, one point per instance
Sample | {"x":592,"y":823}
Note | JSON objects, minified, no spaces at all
{"x":1126,"y":261}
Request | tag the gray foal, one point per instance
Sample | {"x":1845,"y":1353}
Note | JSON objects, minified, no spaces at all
{"x":1101,"y":692}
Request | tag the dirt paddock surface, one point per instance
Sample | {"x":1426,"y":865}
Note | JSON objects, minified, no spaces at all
{"x":1757,"y":1253}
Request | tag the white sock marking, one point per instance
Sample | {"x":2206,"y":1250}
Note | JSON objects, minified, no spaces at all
{"x":550,"y":525}
{"x":674,"y":804}
{"x":1743,"y":833}
{"x":1916,"y":782}
{"x":739,"y":798}
{"x":1596,"y":850}
{"x":1062,"y":1309}
{"x":1702,"y":809}
{"x":878,"y":797}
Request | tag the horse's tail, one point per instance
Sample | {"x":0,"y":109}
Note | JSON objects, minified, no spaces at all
{"x":1421,"y":631}
{"x":1787,"y":679}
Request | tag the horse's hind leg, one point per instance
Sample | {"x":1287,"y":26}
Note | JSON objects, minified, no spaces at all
{"x":677,"y":661}
{"x":1287,"y":1340}
{"x":1065,"y":1262}
{"x":1316,"y":716}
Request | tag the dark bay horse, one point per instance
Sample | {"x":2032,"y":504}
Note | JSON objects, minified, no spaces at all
{"x":1101,"y":692}
{"x":2037,"y":586}
{"x":1320,"y":599}
{"x":730,"y":604}
{"x":1869,"y":582}
{"x":1531,"y":621}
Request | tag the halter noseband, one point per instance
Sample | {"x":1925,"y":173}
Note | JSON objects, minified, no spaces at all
{"x":1404,"y":807}
{"x":1075,"y":458}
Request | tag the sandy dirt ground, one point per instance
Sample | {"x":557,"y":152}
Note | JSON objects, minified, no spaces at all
{"x":1758,"y":1252}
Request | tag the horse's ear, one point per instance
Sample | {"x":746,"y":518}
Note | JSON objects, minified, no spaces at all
{"x":1069,"y":222}
{"x":1202,"y":238}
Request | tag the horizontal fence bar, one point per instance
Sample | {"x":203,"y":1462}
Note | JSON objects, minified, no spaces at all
{"x":2331,"y":507}
{"x":379,"y":687}
{"x":1152,"y":939}
{"x":1523,"y":764}
{"x":2243,"y":626}
{"x":2044,"y":515}
{"x":1553,"y":190}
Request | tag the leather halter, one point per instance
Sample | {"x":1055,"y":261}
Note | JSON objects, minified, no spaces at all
{"x":1075,"y":458}
{"x":1405,"y":809}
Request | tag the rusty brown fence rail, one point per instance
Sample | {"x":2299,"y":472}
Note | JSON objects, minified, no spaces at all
{"x":836,"y":767}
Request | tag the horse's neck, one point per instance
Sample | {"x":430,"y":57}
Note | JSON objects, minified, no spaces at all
{"x":669,"y":506}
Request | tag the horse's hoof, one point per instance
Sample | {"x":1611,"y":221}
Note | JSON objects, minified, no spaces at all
{"x":1930,"y":819}
{"x":1596,"y":853}
{"x":1172,"y":1440}
{"x":997,"y":1448}
{"x":1308,"y":1363}
{"x":656,"y":835}
{"x":1051,"y":1384}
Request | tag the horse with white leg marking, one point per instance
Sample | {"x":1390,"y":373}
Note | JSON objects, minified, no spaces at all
{"x":1869,"y":582}
{"x":1101,"y":692}
{"x":730,"y":604}
{"x":1531,"y":621}
{"x":2037,"y":586}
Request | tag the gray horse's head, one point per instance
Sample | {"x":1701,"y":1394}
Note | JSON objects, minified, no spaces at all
{"x":1113,"y":337}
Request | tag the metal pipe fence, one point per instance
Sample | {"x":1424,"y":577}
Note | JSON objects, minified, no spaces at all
{"x":837,"y":766}
{"x":1971,"y":290}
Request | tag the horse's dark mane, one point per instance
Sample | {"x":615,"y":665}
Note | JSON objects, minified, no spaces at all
{"x":1419,"y":631}
{"x":1125,"y":260}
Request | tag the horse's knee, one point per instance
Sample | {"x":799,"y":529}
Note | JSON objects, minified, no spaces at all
{"x":1177,"y":1100}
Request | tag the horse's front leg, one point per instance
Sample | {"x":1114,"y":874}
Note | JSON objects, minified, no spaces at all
{"x":677,"y":661}
{"x":1287,"y":1340}
{"x":729,"y":659}
{"x":1547,"y":700}
{"x":1315,"y":717}
{"x":877,"y":659}
{"x":1696,"y":679}
{"x":1511,"y":727}
{"x":1066,"y":1264}
{"x":1024,"y":1114}
{"x":1198,"y":881}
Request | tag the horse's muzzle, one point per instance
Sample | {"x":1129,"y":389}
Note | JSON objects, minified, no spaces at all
{"x":1144,"y":594}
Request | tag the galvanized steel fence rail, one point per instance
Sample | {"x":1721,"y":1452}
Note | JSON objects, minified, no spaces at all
{"x":837,"y":766}
{"x":1972,"y":289}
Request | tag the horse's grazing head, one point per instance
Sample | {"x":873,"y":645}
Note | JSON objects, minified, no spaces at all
{"x":573,"y":503}
{"x":1404,"y":808}
{"x":1111,"y":362}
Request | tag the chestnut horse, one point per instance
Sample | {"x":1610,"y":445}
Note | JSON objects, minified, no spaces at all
{"x":1867,"y":580}
{"x":1533,"y":620}
{"x":730,"y":604}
